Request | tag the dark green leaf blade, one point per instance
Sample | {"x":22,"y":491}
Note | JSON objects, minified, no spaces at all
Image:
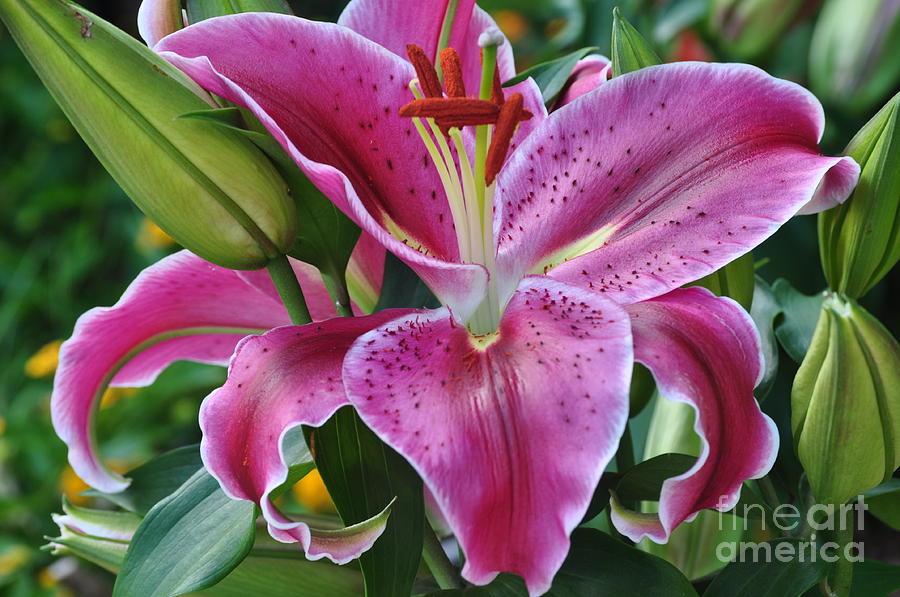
{"x":155,"y":479}
{"x":403,"y":288}
{"x":200,"y":10}
{"x":188,"y":542}
{"x":769,"y":577}
{"x":363,"y":475}
{"x":644,"y":480}
{"x":551,"y":76}
{"x":597,"y":565}
{"x":801,"y":313}
{"x":763,"y":312}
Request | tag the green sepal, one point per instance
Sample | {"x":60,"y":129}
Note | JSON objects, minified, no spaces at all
{"x":630,"y":50}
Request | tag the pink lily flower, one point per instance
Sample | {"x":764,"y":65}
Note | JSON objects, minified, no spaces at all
{"x":557,"y":249}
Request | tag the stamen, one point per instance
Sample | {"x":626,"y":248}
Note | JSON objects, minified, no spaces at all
{"x":497,"y":91}
{"x":507,"y":122}
{"x":428,"y":78}
{"x":446,"y":30}
{"x":464,"y":110}
{"x":453,"y":77}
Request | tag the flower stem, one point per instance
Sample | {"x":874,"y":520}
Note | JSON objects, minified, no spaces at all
{"x":336,"y":282}
{"x":842,"y":572}
{"x":443,"y":570}
{"x":289,"y":290}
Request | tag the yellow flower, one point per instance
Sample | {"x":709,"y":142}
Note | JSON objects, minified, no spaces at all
{"x":44,"y":361}
{"x":310,"y":492}
{"x":512,"y":24}
{"x":151,"y":237}
{"x":71,"y":485}
{"x":112,"y":396}
{"x":12,"y":559}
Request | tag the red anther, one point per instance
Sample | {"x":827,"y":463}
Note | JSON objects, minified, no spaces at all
{"x":428,"y":79}
{"x":453,"y":77}
{"x":508,"y":119}
{"x":457,"y":108}
{"x":497,"y":89}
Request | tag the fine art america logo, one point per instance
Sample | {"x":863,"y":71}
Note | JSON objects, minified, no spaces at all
{"x":814,"y":529}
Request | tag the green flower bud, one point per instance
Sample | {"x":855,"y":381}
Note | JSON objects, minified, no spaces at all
{"x":853,"y":57}
{"x":846,"y":403}
{"x":630,"y":50}
{"x":99,"y":536}
{"x":748,"y":28}
{"x":858,"y":239}
{"x":209,"y":188}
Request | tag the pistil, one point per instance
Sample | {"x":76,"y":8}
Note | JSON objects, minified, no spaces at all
{"x":470,"y":189}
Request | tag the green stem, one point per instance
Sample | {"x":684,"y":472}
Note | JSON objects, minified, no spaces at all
{"x":625,"y":453}
{"x":443,"y":570}
{"x":842,"y":573}
{"x":768,"y":492}
{"x":337,"y":288}
{"x":444,"y":38}
{"x":289,"y":289}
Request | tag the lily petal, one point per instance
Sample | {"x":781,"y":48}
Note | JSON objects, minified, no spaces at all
{"x":510,"y":433}
{"x":634,"y":191}
{"x":288,"y":377}
{"x":395,"y":23}
{"x":158,"y":18}
{"x":181,"y":308}
{"x":589,"y":73}
{"x":704,"y":351}
{"x":346,"y":135}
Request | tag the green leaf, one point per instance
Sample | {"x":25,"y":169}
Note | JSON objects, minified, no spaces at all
{"x":155,"y":479}
{"x":403,"y":288}
{"x":630,"y":51}
{"x":769,"y":577}
{"x":188,"y":542}
{"x":872,"y":578}
{"x":643,"y":482}
{"x":735,"y":280}
{"x":763,"y":312}
{"x":597,"y":565}
{"x":801,"y":313}
{"x":551,"y":76}
{"x":292,"y":577}
{"x":363,"y":475}
{"x":200,"y":10}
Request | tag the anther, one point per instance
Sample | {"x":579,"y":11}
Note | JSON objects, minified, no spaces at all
{"x":511,"y":113}
{"x":497,"y":90}
{"x":453,"y":77}
{"x":460,"y":110}
{"x":428,"y":79}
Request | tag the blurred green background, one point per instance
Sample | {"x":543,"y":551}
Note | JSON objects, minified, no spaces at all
{"x":71,"y":240}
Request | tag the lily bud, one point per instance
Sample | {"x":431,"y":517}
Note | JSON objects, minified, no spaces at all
{"x":845,"y":404}
{"x":748,"y":28}
{"x":857,"y":239}
{"x":99,"y":536}
{"x":630,"y":50}
{"x":853,"y":57}
{"x":207,"y":187}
